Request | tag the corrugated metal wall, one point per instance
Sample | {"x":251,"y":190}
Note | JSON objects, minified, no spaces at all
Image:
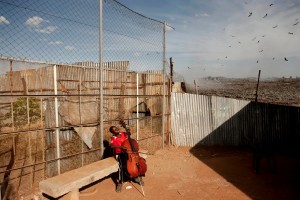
{"x":209,"y":120}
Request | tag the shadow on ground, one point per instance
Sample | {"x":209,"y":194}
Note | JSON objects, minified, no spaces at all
{"x":263,"y":163}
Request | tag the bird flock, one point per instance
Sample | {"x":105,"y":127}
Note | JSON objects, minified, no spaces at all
{"x":258,"y":41}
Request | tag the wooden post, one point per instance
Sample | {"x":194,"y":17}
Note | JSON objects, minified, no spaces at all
{"x":11,"y":92}
{"x":170,"y":102}
{"x":196,"y":91}
{"x":80,"y":116}
{"x":41,"y":99}
{"x":171,"y":73}
{"x":257,"y":86}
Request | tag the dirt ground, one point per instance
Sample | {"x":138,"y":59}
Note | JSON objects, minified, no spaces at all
{"x":206,"y":173}
{"x":281,"y":91}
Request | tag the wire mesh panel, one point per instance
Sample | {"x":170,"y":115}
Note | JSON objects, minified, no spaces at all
{"x":56,"y":31}
{"x":50,"y":90}
{"x":128,"y":35}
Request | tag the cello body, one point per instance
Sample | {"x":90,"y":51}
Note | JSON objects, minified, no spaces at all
{"x":136,"y":165}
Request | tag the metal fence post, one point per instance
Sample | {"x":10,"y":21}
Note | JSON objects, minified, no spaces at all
{"x":137,"y":106}
{"x":100,"y":78}
{"x":56,"y":119}
{"x":164,"y":87}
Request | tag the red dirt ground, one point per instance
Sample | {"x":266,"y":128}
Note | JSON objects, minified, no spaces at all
{"x":206,"y":173}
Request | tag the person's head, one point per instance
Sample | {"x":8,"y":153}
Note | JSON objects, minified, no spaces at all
{"x":114,"y":130}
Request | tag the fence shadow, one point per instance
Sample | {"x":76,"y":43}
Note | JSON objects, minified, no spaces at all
{"x":257,"y":156}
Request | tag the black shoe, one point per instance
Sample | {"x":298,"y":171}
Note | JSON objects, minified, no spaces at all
{"x":119,"y":187}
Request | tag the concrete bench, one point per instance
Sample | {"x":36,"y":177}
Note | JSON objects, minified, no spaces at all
{"x":69,"y":183}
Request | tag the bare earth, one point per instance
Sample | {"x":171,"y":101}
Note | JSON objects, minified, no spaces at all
{"x":206,"y":173}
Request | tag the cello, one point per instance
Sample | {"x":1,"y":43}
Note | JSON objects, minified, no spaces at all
{"x":136,"y":165}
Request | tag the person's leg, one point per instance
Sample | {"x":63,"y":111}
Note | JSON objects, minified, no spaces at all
{"x":120,"y":174}
{"x":139,"y":180}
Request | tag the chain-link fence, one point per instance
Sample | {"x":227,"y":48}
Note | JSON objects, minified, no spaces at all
{"x":55,"y":110}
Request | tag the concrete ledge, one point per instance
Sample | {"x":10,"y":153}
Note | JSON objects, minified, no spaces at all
{"x":73,"y":180}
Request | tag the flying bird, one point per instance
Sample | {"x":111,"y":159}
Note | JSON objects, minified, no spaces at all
{"x":275,"y":26}
{"x":295,"y":23}
{"x":232,"y":35}
{"x":226,"y":57}
{"x":261,"y":50}
{"x":273,"y":58}
{"x":285,"y":59}
{"x":258,"y":41}
{"x":265,"y":15}
{"x":188,"y":67}
{"x":291,"y":33}
{"x":257,"y":61}
{"x":271,"y":4}
{"x":239,"y":42}
{"x":263,"y":36}
{"x":250,"y":13}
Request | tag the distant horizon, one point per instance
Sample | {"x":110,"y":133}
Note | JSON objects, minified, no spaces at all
{"x":216,"y":78}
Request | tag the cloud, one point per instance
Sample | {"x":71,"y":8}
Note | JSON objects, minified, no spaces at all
{"x":204,"y":15}
{"x":34,"y":21}
{"x":69,"y":48}
{"x":48,"y":29}
{"x":3,"y":20}
{"x":55,"y":42}
{"x":40,"y":25}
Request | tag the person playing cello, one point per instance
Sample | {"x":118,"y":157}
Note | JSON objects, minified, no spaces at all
{"x":120,"y":154}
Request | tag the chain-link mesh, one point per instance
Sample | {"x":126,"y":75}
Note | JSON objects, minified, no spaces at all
{"x":62,"y":31}
{"x":50,"y":86}
{"x":129,"y":36}
{"x":56,"y":31}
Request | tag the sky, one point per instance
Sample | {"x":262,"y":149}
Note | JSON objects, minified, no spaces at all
{"x":230,"y":38}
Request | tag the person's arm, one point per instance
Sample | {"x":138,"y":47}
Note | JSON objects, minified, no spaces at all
{"x":114,"y":146}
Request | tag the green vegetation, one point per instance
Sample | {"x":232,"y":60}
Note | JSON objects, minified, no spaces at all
{"x":20,"y":111}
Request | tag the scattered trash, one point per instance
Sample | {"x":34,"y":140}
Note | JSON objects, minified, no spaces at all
{"x":128,"y":187}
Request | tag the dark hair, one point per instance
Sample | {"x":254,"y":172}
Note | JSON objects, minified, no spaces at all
{"x":111,"y":129}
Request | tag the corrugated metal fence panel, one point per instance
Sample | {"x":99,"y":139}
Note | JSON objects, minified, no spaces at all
{"x":196,"y":117}
{"x":190,"y":117}
{"x":226,"y":123}
{"x":206,"y":120}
